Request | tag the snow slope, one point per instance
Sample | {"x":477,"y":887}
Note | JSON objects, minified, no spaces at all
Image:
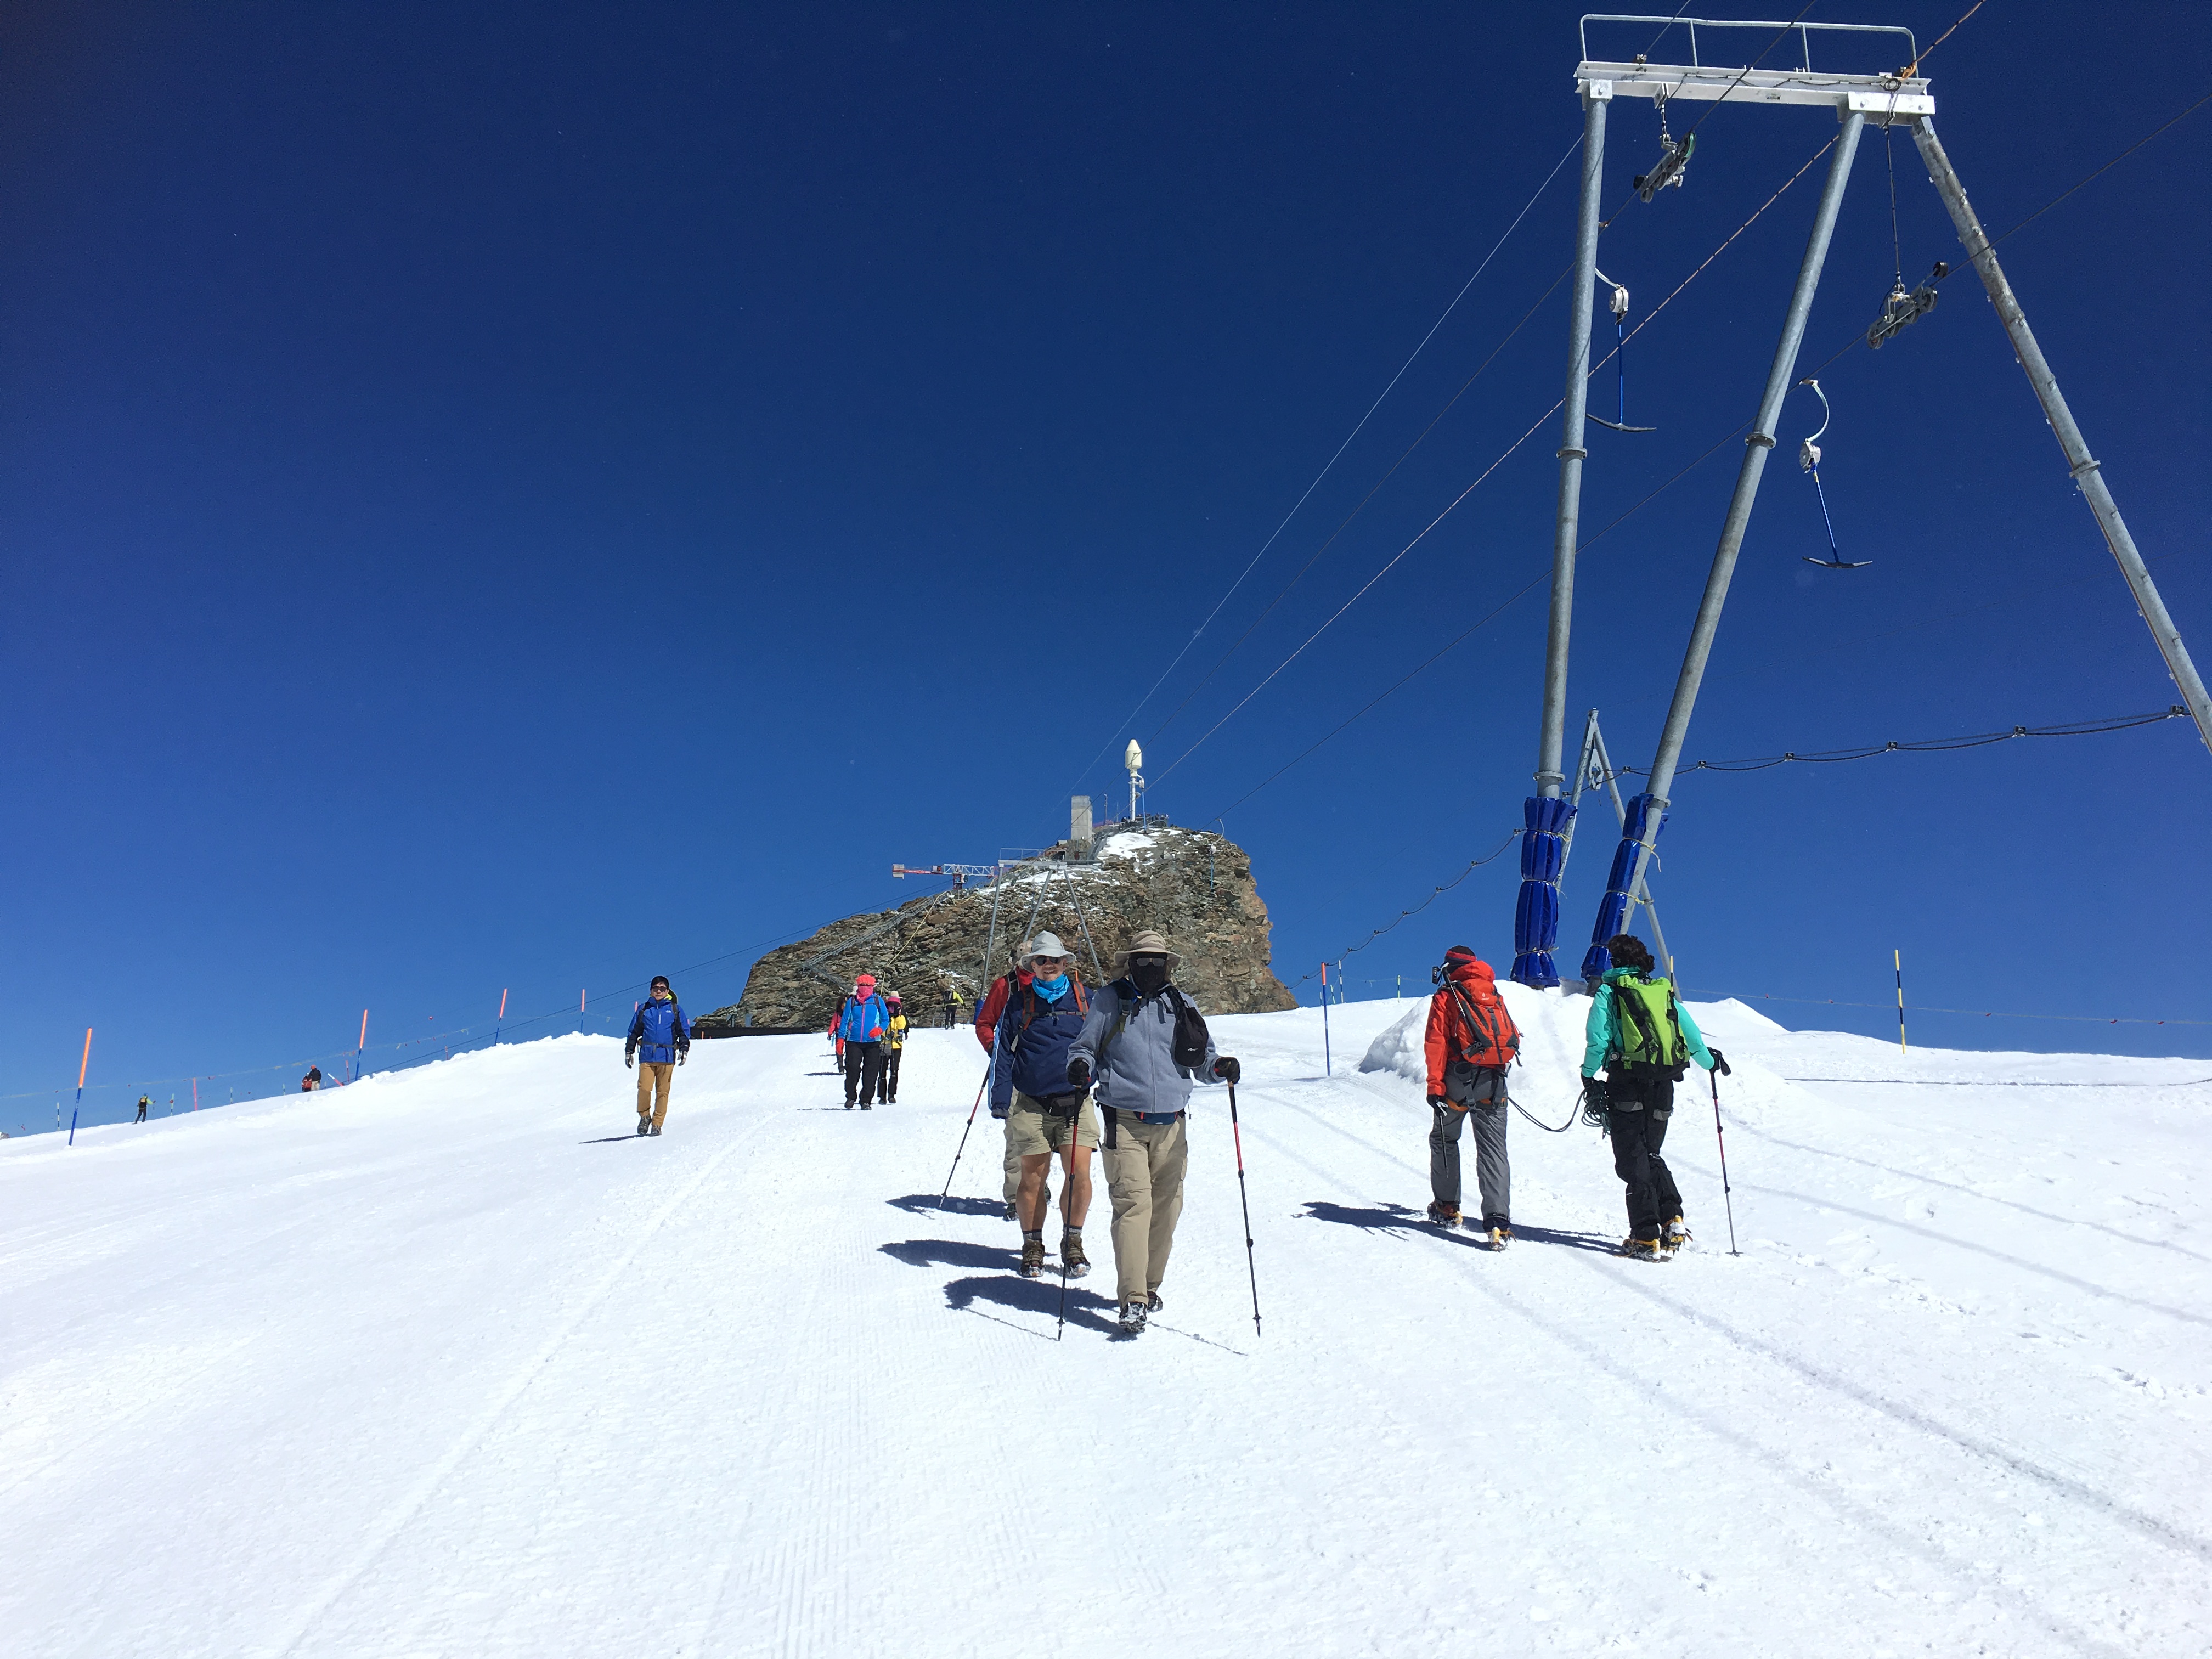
{"x":449,"y":1363}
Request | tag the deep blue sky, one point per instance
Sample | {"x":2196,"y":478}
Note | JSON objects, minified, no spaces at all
{"x":534,"y":496}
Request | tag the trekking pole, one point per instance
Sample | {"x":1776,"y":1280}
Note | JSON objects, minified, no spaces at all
{"x":1237,"y":1136}
{"x":1727,"y":1197}
{"x":972,"y":1111}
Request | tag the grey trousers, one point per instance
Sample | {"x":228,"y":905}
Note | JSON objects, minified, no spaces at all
{"x":1492,"y":1174}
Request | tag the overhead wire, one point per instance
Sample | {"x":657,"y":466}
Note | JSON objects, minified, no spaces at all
{"x":1340,"y":448}
{"x":1500,"y":460}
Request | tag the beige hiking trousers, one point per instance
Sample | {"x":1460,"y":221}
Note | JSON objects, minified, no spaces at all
{"x":1144,"y":1181}
{"x":653,"y":1078}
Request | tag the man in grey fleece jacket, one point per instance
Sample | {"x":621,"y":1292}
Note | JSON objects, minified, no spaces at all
{"x":1126,"y":1043}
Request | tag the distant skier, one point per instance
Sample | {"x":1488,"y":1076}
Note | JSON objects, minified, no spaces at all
{"x":1472,"y":1040}
{"x":660,"y":1040}
{"x":145,"y":1102}
{"x":1147,"y":1045}
{"x":313,"y":1081}
{"x":1644,"y":1036}
{"x":894,"y":1048}
{"x":1029,"y":1081}
{"x":986,"y":1025}
{"x":863,"y":1020}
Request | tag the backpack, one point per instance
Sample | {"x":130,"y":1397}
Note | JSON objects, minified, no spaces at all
{"x":1470,"y":1080}
{"x":1190,"y":1041}
{"x":1648,"y":1041}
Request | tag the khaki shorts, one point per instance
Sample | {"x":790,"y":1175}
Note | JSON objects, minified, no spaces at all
{"x":1032,"y":1131}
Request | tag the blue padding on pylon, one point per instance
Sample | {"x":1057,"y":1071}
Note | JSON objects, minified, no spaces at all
{"x":1536,"y":912}
{"x":1613,"y":909}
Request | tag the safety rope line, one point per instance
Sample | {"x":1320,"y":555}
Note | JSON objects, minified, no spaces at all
{"x":1486,"y":258}
{"x":1434,"y":894}
{"x":1921,"y":1008}
{"x":1997,"y":1083}
{"x":1933,"y":745}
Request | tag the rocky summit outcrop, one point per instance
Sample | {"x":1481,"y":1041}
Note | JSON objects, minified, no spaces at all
{"x":1194,"y":887}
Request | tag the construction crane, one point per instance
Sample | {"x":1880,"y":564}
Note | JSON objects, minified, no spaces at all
{"x":959,"y":873}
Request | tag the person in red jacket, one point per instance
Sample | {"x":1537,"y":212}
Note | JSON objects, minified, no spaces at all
{"x":986,"y":1025}
{"x":1472,"y":1039}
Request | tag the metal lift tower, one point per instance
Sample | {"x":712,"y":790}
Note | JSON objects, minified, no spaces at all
{"x":1900,"y":96}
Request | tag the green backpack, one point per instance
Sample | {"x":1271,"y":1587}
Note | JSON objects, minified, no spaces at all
{"x":1648,"y":1040}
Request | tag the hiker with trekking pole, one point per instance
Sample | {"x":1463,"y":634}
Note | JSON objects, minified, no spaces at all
{"x":1144,"y":1044}
{"x":1641,"y":1034}
{"x":1030,"y":1084}
{"x":987,"y":1010}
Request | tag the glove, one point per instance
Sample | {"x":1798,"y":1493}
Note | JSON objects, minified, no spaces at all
{"x":629,"y":1062}
{"x":1594,"y":1093}
{"x":1438,"y":1100}
{"x":683,"y":1055}
{"x":1720,"y":1061}
{"x":1226,"y":1068}
{"x":1078,"y":1073}
{"x":1000,"y":1112}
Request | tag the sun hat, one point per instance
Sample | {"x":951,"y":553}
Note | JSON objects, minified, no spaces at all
{"x":1147,"y":943}
{"x":1045,"y":944}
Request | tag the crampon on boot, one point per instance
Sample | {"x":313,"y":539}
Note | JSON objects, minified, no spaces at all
{"x":1073,"y":1264}
{"x":1642,"y":1249}
{"x":1134,"y":1315}
{"x":1675,"y":1235}
{"x":1032,"y":1257}
{"x":1444,"y":1215}
{"x":1499,"y":1238}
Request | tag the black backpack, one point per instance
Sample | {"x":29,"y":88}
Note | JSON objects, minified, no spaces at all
{"x":1191,"y":1039}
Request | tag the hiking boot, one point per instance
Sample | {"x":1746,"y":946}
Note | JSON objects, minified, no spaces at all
{"x":1032,"y":1257}
{"x":1676,"y":1236}
{"x":1500,"y":1238}
{"x":865,"y":1107}
{"x":848,"y":1105}
{"x":1444,"y":1215}
{"x":644,"y":1124}
{"x":1151,"y":1301}
{"x":1073,"y":1264}
{"x":1643,"y":1249}
{"x":1134,"y":1315}
{"x":654,"y":1130}
{"x":1012,"y":1209}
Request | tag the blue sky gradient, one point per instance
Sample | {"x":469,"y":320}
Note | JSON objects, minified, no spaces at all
{"x":531,"y":497}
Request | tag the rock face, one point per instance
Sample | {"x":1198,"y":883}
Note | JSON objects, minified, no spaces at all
{"x":1193,"y":887}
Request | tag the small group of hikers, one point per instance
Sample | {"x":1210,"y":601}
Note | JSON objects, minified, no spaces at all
{"x":869,"y":1031}
{"x":1638,"y":1033}
{"x":1065,"y":1057}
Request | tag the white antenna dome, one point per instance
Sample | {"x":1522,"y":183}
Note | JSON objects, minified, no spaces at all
{"x":1134,"y":757}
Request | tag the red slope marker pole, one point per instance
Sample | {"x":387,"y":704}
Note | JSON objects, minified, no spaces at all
{"x":502,"y":1020}
{"x":81,"y":1066}
{"x":363,"y":1047}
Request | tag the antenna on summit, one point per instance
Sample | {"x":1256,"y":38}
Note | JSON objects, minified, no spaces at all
{"x":1133,"y":757}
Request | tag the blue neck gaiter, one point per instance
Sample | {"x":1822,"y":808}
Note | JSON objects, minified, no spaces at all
{"x":1052,"y":990}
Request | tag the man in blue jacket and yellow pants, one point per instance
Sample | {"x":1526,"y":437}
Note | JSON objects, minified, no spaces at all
{"x":659,"y":1041}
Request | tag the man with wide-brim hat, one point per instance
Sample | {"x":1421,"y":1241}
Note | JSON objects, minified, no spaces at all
{"x":988,"y":1008}
{"x":1145,"y":1045}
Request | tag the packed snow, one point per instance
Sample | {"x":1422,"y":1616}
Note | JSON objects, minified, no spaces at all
{"x":449,"y":1363}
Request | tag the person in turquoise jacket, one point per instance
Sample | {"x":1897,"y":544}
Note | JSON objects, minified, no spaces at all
{"x":863,"y":1020}
{"x":1644,"y":1038}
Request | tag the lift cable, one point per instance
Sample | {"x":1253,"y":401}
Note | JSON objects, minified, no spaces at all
{"x":1340,"y":448}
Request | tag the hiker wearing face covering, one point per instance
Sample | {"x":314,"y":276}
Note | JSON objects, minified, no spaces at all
{"x":1029,"y":1082}
{"x":1145,"y":1045}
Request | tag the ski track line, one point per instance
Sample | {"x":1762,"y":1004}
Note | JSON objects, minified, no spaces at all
{"x":1987,"y":1198}
{"x":1989,"y":1578}
{"x":389,"y":1528}
{"x":2150,"y":1526}
{"x":1994,"y":1254}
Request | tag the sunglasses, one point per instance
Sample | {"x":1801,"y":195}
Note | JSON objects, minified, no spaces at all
{"x":1050,"y":962}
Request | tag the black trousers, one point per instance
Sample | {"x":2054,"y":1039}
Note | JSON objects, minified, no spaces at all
{"x":864,"y":1070}
{"x":141,"y":1112}
{"x":1637,"y":1135}
{"x":887,"y":1085}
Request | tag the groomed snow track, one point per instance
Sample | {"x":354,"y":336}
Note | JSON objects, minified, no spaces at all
{"x":451,"y":1363}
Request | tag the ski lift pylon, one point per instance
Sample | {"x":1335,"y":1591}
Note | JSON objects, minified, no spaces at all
{"x":1808,"y":457}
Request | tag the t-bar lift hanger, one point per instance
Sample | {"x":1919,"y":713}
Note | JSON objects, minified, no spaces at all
{"x":1619,"y":358}
{"x":1809,"y":457}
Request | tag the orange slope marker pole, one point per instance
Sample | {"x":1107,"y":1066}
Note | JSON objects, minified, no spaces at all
{"x":80,"y":1065}
{"x":502,"y":1020}
{"x":362,"y":1047}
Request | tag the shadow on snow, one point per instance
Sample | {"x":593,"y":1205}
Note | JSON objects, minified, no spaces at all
{"x":1397,"y":1218}
{"x":1000,"y":1286}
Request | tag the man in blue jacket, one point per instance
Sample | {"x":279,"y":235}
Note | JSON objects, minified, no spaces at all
{"x":1043,"y":1015}
{"x":1644,"y":1036}
{"x":660,"y":1040}
{"x":863,"y":1021}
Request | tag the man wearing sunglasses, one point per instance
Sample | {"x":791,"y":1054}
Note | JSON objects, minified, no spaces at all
{"x":1147,"y":1045}
{"x":660,"y":1040}
{"x":1039,"y":1024}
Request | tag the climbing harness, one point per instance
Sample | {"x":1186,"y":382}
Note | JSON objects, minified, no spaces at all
{"x":1619,"y":359}
{"x":1809,"y":457}
{"x":1673,"y":158}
